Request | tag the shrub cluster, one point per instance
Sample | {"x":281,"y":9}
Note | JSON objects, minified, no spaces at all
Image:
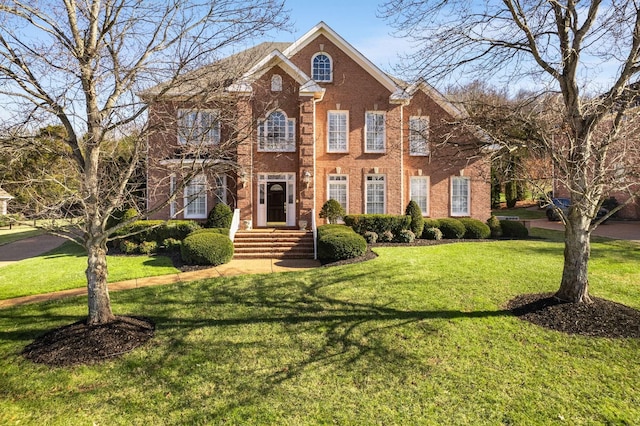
{"x":152,"y":231}
{"x":513,"y":229}
{"x":475,"y":229}
{"x":451,"y":228}
{"x":405,"y":236}
{"x":206,"y":248}
{"x":378,"y":223}
{"x":494,"y":225}
{"x":338,"y":242}
{"x":220,"y":216}
{"x":371,"y":237}
{"x":432,"y":234}
{"x":332,"y":211}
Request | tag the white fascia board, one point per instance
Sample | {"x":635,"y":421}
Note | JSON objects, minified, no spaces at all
{"x":437,"y":97}
{"x":335,"y":38}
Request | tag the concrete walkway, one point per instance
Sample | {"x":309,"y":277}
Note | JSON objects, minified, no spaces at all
{"x":27,"y":248}
{"x":235,"y":267}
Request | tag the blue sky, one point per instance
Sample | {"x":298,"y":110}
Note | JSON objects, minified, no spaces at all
{"x":354,"y":20}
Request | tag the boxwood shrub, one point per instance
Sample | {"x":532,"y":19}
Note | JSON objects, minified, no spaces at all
{"x":432,"y":234}
{"x":338,"y":242}
{"x":417,"y":221}
{"x":378,"y":223}
{"x":513,"y":229}
{"x":406,"y":236}
{"x":431,"y":223}
{"x":494,"y":224}
{"x":221,"y":231}
{"x":475,"y":229}
{"x":157,"y":230}
{"x":451,"y":228}
{"x":206,"y":248}
{"x":220,"y":216}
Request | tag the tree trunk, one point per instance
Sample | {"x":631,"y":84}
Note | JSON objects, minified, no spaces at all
{"x":577,"y":250}
{"x":99,"y":302}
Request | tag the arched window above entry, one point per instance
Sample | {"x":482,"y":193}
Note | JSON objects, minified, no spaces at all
{"x":277,"y":133}
{"x":321,"y":67}
{"x":276,"y":83}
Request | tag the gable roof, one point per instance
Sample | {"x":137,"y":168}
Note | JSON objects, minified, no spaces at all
{"x":322,"y":28}
{"x":307,"y":85}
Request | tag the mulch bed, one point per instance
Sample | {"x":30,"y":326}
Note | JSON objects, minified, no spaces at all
{"x":602,"y":318}
{"x":80,"y":343}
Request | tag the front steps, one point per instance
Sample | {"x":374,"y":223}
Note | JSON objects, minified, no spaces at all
{"x":273,"y":243}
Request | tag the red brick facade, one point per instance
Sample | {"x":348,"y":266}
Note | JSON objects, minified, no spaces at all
{"x":356,"y":88}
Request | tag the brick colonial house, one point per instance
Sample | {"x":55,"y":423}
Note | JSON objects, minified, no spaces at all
{"x":319,"y":121}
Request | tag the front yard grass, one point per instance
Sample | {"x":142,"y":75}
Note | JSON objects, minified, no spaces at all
{"x":417,"y":336}
{"x":63,"y":268}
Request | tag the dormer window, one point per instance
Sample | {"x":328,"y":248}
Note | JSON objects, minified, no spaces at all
{"x":276,"y":83}
{"x":321,"y":67}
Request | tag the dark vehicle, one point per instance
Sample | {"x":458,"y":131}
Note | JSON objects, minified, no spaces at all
{"x":563,"y":204}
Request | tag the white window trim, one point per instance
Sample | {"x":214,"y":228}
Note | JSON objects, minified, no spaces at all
{"x":216,"y":127}
{"x":172,"y":190}
{"x":468,"y":211}
{"x":339,"y":112}
{"x":427,"y":149}
{"x":384,"y":132}
{"x":346,"y":184}
{"x":290,"y":147}
{"x":384,"y":192}
{"x":425,"y":211}
{"x":330,"y":80}
{"x":223,"y":179}
{"x":187,"y":215}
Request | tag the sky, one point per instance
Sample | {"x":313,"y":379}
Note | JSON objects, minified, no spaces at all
{"x":354,"y":20}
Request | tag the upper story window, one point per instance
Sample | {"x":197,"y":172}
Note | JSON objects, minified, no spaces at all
{"x":338,"y":131}
{"x":198,"y":127}
{"x":277,"y":133}
{"x":419,"y":135}
{"x":276,"y":83}
{"x":321,"y":67}
{"x":374,"y":131}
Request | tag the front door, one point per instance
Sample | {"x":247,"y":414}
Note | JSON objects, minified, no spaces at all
{"x":277,"y":202}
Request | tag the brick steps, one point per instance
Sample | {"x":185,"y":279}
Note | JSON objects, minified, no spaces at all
{"x":280,"y":244}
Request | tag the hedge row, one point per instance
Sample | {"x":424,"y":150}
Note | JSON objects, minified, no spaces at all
{"x":338,"y":242}
{"x":157,"y":230}
{"x":378,"y":223}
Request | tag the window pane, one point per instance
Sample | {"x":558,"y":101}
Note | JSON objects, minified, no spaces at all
{"x":321,"y":68}
{"x":375,"y":131}
{"x":418,"y":135}
{"x":338,"y":190}
{"x":198,"y":127}
{"x":337,"y":132}
{"x":375,"y":195}
{"x":276,"y":133}
{"x":460,"y":196}
{"x":195,"y":198}
{"x":419,"y":192}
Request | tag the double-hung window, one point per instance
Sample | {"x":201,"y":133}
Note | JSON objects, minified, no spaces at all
{"x":375,"y":198}
{"x":374,"y":131}
{"x":198,"y":127}
{"x":321,"y":67}
{"x":337,"y":189}
{"x":277,"y":133}
{"x":419,"y":135}
{"x":220,"y":189}
{"x":195,"y":198}
{"x":338,"y":131}
{"x":419,"y":192}
{"x":460,"y":194}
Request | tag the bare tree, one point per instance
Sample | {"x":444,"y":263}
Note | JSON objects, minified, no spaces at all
{"x":560,"y":50}
{"x":83,"y":64}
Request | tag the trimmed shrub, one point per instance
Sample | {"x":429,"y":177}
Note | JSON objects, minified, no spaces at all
{"x":221,"y":231}
{"x":378,"y":223}
{"x":128,"y":247}
{"x":171,"y":244}
{"x":206,"y":248}
{"x":494,"y":225}
{"x":475,"y":229}
{"x":513,"y":229}
{"x":157,"y":230}
{"x":432,"y":234}
{"x":386,"y":237}
{"x":148,"y":247}
{"x":451,"y":228}
{"x":332,"y":211}
{"x":339,"y":243}
{"x":431,"y":223}
{"x":371,"y":237}
{"x":406,"y":236}
{"x":417,"y":221}
{"x":220,"y":216}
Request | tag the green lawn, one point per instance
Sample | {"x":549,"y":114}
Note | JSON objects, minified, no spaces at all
{"x":416,"y":336}
{"x":63,"y":268}
{"x":17,"y":233}
{"x":520,"y":212}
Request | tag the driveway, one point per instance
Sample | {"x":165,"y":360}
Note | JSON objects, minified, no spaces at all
{"x":29,"y":247}
{"x":619,"y":230}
